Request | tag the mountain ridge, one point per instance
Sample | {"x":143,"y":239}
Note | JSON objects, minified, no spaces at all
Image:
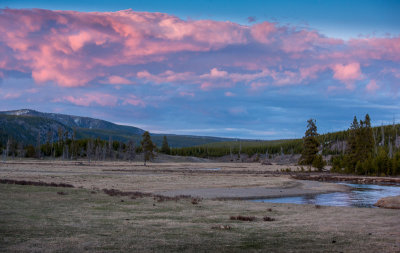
{"x":25,"y":125}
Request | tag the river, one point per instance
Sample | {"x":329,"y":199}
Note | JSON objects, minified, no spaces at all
{"x":361,"y":195}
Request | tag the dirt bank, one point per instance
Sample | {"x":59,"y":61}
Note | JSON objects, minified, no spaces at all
{"x":389,"y":202}
{"x":297,"y":189}
{"x":324,"y":177}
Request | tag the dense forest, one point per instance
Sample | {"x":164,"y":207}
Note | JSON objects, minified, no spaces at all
{"x":369,"y":151}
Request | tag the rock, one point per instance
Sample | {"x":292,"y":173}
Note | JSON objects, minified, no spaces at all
{"x":389,"y":202}
{"x":222,"y":227}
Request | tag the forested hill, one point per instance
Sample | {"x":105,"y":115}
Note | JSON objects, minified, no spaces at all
{"x":25,"y":126}
{"x":330,"y":144}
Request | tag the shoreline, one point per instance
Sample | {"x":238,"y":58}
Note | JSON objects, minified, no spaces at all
{"x":304,"y":188}
{"x":347,"y":178}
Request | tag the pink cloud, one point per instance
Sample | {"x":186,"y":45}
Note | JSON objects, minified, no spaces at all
{"x":229,"y":94}
{"x":74,"y":49}
{"x":262,"y":32}
{"x":347,"y":73}
{"x":91,"y":99}
{"x":118,"y":80}
{"x":372,"y":86}
{"x":11,"y":95}
{"x":133,"y":100}
{"x":165,"y":77}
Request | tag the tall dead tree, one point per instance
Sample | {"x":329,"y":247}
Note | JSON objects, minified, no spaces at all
{"x":374,"y":134}
{"x":38,"y":151}
{"x":8,"y":145}
{"x":110,"y":148}
{"x":240,"y":150}
{"x":383,"y":136}
{"x":104,"y":152}
{"x":20,"y":150}
{"x":131,"y":151}
{"x":89,"y":150}
{"x":390,"y":149}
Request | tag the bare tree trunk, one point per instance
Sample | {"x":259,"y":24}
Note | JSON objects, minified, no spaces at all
{"x":89,"y":150}
{"x":375,"y":143}
{"x":131,"y":150}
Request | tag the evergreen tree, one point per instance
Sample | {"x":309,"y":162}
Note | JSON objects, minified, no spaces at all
{"x":310,"y":143}
{"x":147,"y":147}
{"x":165,"y":147}
{"x":360,"y":145}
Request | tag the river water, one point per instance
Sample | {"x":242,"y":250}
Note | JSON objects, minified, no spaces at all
{"x":361,"y":195}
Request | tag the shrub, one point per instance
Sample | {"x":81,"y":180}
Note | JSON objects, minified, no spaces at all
{"x":319,"y":162}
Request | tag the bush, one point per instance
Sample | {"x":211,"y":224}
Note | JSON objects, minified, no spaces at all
{"x":319,"y":162}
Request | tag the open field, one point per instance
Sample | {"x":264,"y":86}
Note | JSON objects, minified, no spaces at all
{"x":164,"y":177}
{"x":47,"y":219}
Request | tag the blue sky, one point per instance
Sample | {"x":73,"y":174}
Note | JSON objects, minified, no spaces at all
{"x":340,"y":18}
{"x":254,"y":70}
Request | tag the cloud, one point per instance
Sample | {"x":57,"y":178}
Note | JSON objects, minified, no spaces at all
{"x":238,"y":110}
{"x":118,"y":80}
{"x":79,"y":49}
{"x":186,"y":94}
{"x":372,"y":86}
{"x":133,"y":100}
{"x":347,"y":73}
{"x":90,"y":99}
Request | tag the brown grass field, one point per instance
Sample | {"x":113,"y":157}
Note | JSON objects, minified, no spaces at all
{"x":137,"y":218}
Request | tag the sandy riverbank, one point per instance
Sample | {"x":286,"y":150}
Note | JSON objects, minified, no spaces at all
{"x":207,"y":180}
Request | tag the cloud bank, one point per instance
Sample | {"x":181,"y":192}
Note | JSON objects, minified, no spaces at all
{"x":76,"y":49}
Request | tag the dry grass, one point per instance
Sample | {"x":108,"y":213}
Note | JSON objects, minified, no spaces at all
{"x":156,"y":177}
{"x":38,"y":219}
{"x":131,"y":216}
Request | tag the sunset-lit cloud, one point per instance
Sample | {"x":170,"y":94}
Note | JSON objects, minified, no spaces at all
{"x":75,"y":49}
{"x":89,"y":99}
{"x":157,"y":66}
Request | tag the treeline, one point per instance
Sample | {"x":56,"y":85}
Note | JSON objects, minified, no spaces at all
{"x":239,"y":148}
{"x":369,"y":151}
{"x":67,"y":147}
{"x":331,"y":144}
{"x":70,"y":149}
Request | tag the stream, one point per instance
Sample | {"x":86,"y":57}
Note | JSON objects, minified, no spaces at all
{"x":361,"y":195}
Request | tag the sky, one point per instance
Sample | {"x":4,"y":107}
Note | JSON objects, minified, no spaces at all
{"x":255,"y":69}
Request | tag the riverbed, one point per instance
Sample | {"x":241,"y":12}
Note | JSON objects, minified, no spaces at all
{"x":360,"y":195}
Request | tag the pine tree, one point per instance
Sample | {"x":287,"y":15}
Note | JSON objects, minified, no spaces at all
{"x":361,"y":144}
{"x":310,"y":143}
{"x":165,"y":147}
{"x":147,"y":146}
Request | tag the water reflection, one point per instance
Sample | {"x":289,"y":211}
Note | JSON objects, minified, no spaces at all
{"x":362,"y":195}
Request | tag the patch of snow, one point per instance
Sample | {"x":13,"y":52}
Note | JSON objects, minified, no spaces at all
{"x":21,"y":112}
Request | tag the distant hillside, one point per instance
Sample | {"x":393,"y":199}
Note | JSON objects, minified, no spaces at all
{"x":25,"y":125}
{"x":26,"y":129}
{"x":78,"y":122}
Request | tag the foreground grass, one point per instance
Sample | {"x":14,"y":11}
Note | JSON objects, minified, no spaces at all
{"x":38,"y":219}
